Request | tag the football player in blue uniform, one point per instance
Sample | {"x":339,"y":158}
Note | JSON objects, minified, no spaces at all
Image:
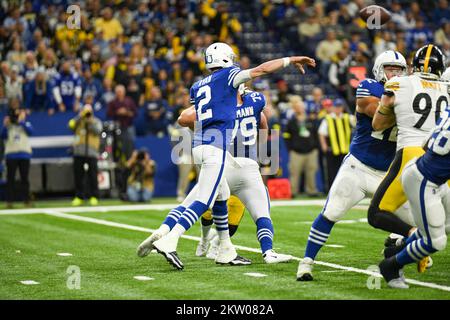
{"x":425,"y":184}
{"x":371,"y":153}
{"x":214,"y":100}
{"x":67,"y":89}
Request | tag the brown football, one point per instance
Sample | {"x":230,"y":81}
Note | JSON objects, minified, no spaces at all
{"x":375,"y":15}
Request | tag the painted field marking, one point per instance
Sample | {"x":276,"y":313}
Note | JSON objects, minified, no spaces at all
{"x":334,"y":246}
{"x":64,"y":254}
{"x":143,"y":278}
{"x":248,"y":249}
{"x":255,"y":274}
{"x":29,"y":282}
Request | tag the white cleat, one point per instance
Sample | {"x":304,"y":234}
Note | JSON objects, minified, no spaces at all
{"x":226,"y":253}
{"x":398,"y":283}
{"x":167,"y":247}
{"x":147,"y":245}
{"x":271,"y":256}
{"x":304,"y":271}
{"x":204,"y":244}
{"x":213,"y":250}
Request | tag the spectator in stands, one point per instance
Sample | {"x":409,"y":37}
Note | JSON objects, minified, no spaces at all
{"x":123,"y":110}
{"x":421,"y":34}
{"x":442,"y":35}
{"x":302,"y":142}
{"x":92,"y":87}
{"x":13,"y":84}
{"x":67,"y":89}
{"x":334,"y":137}
{"x":15,"y":132}
{"x":87,"y":129}
{"x":338,"y":73}
{"x":156,"y":109}
{"x":314,"y":105}
{"x":140,"y":182}
{"x":326,"y":49}
{"x":109,"y":26}
{"x":309,"y":28}
{"x":40,"y":92}
{"x":442,"y":13}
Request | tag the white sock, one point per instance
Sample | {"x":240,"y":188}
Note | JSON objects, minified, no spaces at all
{"x":177,"y":231}
{"x":205,"y":231}
{"x":164,"y":229}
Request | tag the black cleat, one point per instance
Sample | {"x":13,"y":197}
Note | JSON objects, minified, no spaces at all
{"x":306,"y":277}
{"x":393,"y":250}
{"x":390,"y":242}
{"x":392,"y":273}
{"x":172,"y":258}
{"x":238,"y":261}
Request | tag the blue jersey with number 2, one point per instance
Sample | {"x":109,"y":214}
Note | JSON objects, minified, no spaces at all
{"x":435,"y":163}
{"x":375,"y":149}
{"x":215,"y":99}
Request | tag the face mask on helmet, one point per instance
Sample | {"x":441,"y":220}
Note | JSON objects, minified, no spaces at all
{"x":389,"y":59}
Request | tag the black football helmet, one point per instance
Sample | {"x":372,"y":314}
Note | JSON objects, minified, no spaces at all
{"x":429,"y":60}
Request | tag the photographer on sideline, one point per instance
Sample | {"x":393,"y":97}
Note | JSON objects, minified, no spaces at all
{"x":15,"y":132}
{"x":87,"y":129}
{"x":140,"y":182}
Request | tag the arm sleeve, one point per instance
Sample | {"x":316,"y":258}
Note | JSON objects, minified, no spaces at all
{"x":27,"y":127}
{"x":239,"y":77}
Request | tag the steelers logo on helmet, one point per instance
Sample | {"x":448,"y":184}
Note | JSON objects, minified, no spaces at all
{"x":430,"y":61}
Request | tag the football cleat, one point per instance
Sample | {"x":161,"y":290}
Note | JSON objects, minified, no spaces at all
{"x":226,"y":252}
{"x":213,"y":249}
{"x":424,"y":264}
{"x":93,"y":201}
{"x":239,"y":261}
{"x":393,"y":240}
{"x":146,"y":246}
{"x":271,"y":256}
{"x":393,"y":274}
{"x":167,"y":246}
{"x":304,"y":271}
{"x":76,"y":202}
{"x":203,"y":245}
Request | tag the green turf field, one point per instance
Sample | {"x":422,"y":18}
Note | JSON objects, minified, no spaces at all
{"x":105,"y":256}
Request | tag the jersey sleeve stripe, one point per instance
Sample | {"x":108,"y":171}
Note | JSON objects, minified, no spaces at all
{"x":233,"y":73}
{"x":232,"y":78}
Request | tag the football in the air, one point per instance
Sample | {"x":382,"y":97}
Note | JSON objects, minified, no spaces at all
{"x":375,"y":15}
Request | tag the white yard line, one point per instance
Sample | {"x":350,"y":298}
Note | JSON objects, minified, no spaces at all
{"x":147,"y":230}
{"x":162,"y":207}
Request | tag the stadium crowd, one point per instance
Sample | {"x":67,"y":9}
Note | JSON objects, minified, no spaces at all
{"x":131,"y":55}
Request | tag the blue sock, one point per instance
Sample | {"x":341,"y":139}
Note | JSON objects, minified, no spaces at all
{"x":264,"y":233}
{"x":318,"y":235}
{"x":220,"y":215}
{"x":192,"y":214}
{"x":173,"y":216}
{"x":415,"y":251}
{"x":413,"y":237}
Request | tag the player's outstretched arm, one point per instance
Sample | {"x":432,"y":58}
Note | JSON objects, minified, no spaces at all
{"x":271,"y":66}
{"x":384,"y":117}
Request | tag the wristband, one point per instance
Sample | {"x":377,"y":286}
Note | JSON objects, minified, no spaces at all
{"x":286,"y":61}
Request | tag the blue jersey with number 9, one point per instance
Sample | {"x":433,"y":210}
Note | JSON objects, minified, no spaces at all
{"x":248,"y":119}
{"x":215,"y":99}
{"x":435,"y":163}
{"x":375,"y":149}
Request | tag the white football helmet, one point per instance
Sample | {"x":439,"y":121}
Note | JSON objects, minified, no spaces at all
{"x":219,"y":55}
{"x":446,"y":75}
{"x":387,"y":58}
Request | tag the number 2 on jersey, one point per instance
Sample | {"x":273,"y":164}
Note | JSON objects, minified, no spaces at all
{"x":441,"y":143}
{"x":206,"y":91}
